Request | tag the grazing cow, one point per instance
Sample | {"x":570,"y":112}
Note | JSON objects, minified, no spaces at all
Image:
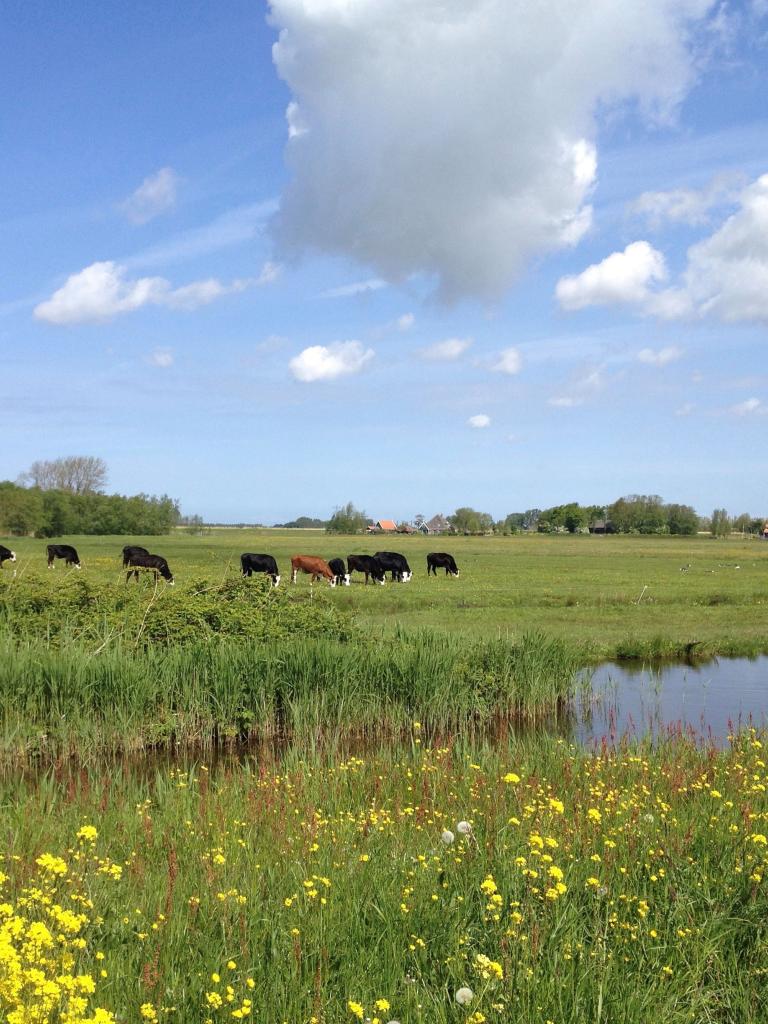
{"x":314,"y":566}
{"x":441,"y":560}
{"x":260,"y":563}
{"x":6,"y":555}
{"x":155,"y":564}
{"x":65,"y":551}
{"x":340,"y":571}
{"x":395,"y":563}
{"x":367,"y":564}
{"x":130,"y":550}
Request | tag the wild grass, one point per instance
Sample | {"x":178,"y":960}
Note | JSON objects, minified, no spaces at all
{"x":624,"y":885}
{"x":605,"y":595}
{"x":66,"y":699}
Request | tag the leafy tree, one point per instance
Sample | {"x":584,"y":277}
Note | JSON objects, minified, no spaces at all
{"x":682,"y":520}
{"x":469,"y":520}
{"x":347,"y":519}
{"x":720,"y":523}
{"x":303,"y":523}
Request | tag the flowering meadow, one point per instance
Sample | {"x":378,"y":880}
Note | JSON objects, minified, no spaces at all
{"x":514,"y":881}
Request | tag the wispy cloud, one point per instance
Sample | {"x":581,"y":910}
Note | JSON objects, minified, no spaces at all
{"x":480,"y":421}
{"x":660,"y":357}
{"x":161,"y":357}
{"x":373,"y":284}
{"x":446,"y":351}
{"x":509,"y":361}
{"x":748,"y":407}
{"x":235,"y":227}
{"x":155,"y":195}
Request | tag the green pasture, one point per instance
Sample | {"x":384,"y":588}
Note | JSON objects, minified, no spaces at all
{"x":611,"y":595}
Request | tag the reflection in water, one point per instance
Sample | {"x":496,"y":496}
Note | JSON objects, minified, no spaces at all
{"x":707,"y":701}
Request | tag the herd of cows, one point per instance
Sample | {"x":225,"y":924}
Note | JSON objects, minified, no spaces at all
{"x":375,"y":567}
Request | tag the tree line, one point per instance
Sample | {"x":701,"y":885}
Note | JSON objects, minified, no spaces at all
{"x":633,"y":513}
{"x":64,"y":496}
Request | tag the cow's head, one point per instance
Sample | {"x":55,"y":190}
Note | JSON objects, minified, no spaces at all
{"x":406,"y":577}
{"x":381,"y":580}
{"x":346,"y":578}
{"x":13,"y":557}
{"x":332,"y":581}
{"x":276,"y":580}
{"x":454,"y":572}
{"x":78,"y":566}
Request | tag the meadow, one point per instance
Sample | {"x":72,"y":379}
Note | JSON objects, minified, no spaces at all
{"x":462,"y":883}
{"x":221,"y":801}
{"x":612,"y":596}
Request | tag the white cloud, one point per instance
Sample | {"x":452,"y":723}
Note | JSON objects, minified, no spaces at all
{"x":373,"y":284}
{"x":726,"y":274}
{"x":510,"y":361}
{"x":685,"y":409}
{"x":446,"y":351}
{"x":326,"y":362}
{"x":660,"y":357}
{"x":480,"y":421}
{"x":749,"y":406}
{"x":162,"y":357}
{"x":454,"y":138}
{"x":686,"y":205}
{"x":622,"y":277}
{"x":102,"y":291}
{"x":154,"y":196}
{"x":406,"y":322}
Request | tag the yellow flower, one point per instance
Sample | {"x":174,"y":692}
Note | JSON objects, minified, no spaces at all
{"x":356,"y":1009}
{"x":148,"y":1012}
{"x":88,"y":833}
{"x":382,"y":1004}
{"x":511,"y":778}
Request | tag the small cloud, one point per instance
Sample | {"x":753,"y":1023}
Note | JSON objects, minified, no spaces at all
{"x":480,"y":421}
{"x":446,"y":351}
{"x":327,"y":362}
{"x":662,"y":357}
{"x":622,"y":277}
{"x":510,"y":361}
{"x":406,"y":322}
{"x":687,"y":205}
{"x":565,"y":402}
{"x":747,"y":407}
{"x":373,"y":284}
{"x":154,"y":196}
{"x":685,"y":410}
{"x":162,"y":357}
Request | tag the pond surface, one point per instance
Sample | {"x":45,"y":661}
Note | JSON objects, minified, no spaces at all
{"x":706,"y":700}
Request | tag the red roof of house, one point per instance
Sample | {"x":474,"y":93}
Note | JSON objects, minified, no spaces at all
{"x":387,"y":524}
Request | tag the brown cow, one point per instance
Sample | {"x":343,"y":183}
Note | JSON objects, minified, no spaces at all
{"x":317,"y":567}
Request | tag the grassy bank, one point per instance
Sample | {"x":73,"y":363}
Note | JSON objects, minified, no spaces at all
{"x":65,"y":699}
{"x":625,"y":886}
{"x":608,"y":596}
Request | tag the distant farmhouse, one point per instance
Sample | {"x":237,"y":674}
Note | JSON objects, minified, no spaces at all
{"x":383,"y":526}
{"x":437,"y":524}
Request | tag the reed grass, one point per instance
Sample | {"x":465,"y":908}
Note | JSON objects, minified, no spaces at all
{"x":64,"y":699}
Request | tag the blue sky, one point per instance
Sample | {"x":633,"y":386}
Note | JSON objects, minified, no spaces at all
{"x":420,"y":254}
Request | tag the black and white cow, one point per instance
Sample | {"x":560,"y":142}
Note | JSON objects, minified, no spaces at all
{"x":132,"y":549}
{"x":441,"y":560}
{"x":153,"y":563}
{"x":395,"y":563}
{"x":6,"y":555}
{"x":339,"y":571}
{"x":65,"y":551}
{"x":367,"y":564}
{"x":251,"y":563}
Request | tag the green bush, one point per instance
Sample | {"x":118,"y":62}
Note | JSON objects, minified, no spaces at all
{"x":99,"y":613}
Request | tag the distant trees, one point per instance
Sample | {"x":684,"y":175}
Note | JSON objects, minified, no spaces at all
{"x":469,"y":520}
{"x":53,"y":513}
{"x":76,"y":474}
{"x":347,"y":519}
{"x":303,"y":523}
{"x":720,"y":523}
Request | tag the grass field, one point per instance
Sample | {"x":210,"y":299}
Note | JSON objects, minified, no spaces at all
{"x":610,"y":595}
{"x":459,"y":885}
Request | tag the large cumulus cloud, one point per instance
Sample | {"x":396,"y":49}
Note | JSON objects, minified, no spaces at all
{"x":455,"y":138}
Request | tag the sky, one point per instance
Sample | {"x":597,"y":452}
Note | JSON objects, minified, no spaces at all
{"x":414,"y":254}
